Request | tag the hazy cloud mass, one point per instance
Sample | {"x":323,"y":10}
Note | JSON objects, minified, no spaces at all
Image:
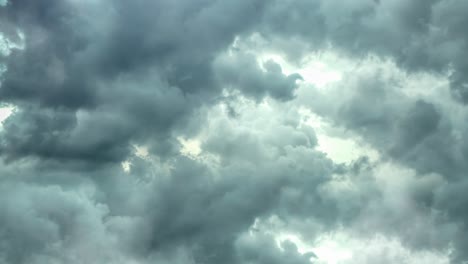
{"x":233,"y":131}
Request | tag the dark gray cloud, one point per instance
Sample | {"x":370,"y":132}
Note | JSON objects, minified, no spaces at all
{"x":242,"y":71}
{"x":98,"y":81}
{"x":418,"y":35}
{"x":143,"y":67}
{"x":199,"y":207}
{"x":421,"y":132}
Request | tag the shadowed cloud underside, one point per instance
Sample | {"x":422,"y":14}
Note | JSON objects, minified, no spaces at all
{"x":243,"y":132}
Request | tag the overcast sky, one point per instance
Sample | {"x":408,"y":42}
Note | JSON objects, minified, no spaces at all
{"x":233,"y":131}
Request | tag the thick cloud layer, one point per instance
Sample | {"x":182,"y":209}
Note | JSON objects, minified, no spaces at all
{"x":170,"y":132}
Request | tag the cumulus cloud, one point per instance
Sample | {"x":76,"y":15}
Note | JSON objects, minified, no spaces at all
{"x":200,"y":131}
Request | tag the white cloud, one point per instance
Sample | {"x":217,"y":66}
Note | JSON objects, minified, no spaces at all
{"x":5,"y":112}
{"x":6,"y":45}
{"x":190,"y":147}
{"x":316,"y":69}
{"x":343,"y":249}
{"x":342,"y":148}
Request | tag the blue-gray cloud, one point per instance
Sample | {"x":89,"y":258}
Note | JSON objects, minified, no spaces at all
{"x":96,"y":80}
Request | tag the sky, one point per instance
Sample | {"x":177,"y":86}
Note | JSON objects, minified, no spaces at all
{"x":237,"y":132}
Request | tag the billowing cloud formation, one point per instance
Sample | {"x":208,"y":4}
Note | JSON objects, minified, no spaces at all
{"x":193,"y":132}
{"x":418,"y":35}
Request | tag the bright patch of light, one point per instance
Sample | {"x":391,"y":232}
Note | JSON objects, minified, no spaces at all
{"x":327,"y":251}
{"x":343,"y":150}
{"x":339,"y":149}
{"x":6,"y":45}
{"x":141,"y":151}
{"x":318,"y":69}
{"x":5,"y":112}
{"x":3,"y":2}
{"x":126,"y":166}
{"x":190,"y":147}
{"x":319,"y":74}
{"x":332,"y":251}
{"x":343,"y":249}
{"x":302,"y":247}
{"x":313,"y":70}
{"x":340,"y":248}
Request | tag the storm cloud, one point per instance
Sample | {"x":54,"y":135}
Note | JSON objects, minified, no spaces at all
{"x":216,"y":131}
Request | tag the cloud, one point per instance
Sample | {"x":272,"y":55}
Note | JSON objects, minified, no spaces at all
{"x":218,"y":96}
{"x":417,"y":35}
{"x":411,"y":128}
{"x":199,"y":206}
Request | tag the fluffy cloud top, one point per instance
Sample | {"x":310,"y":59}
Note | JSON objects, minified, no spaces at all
{"x":202,"y":131}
